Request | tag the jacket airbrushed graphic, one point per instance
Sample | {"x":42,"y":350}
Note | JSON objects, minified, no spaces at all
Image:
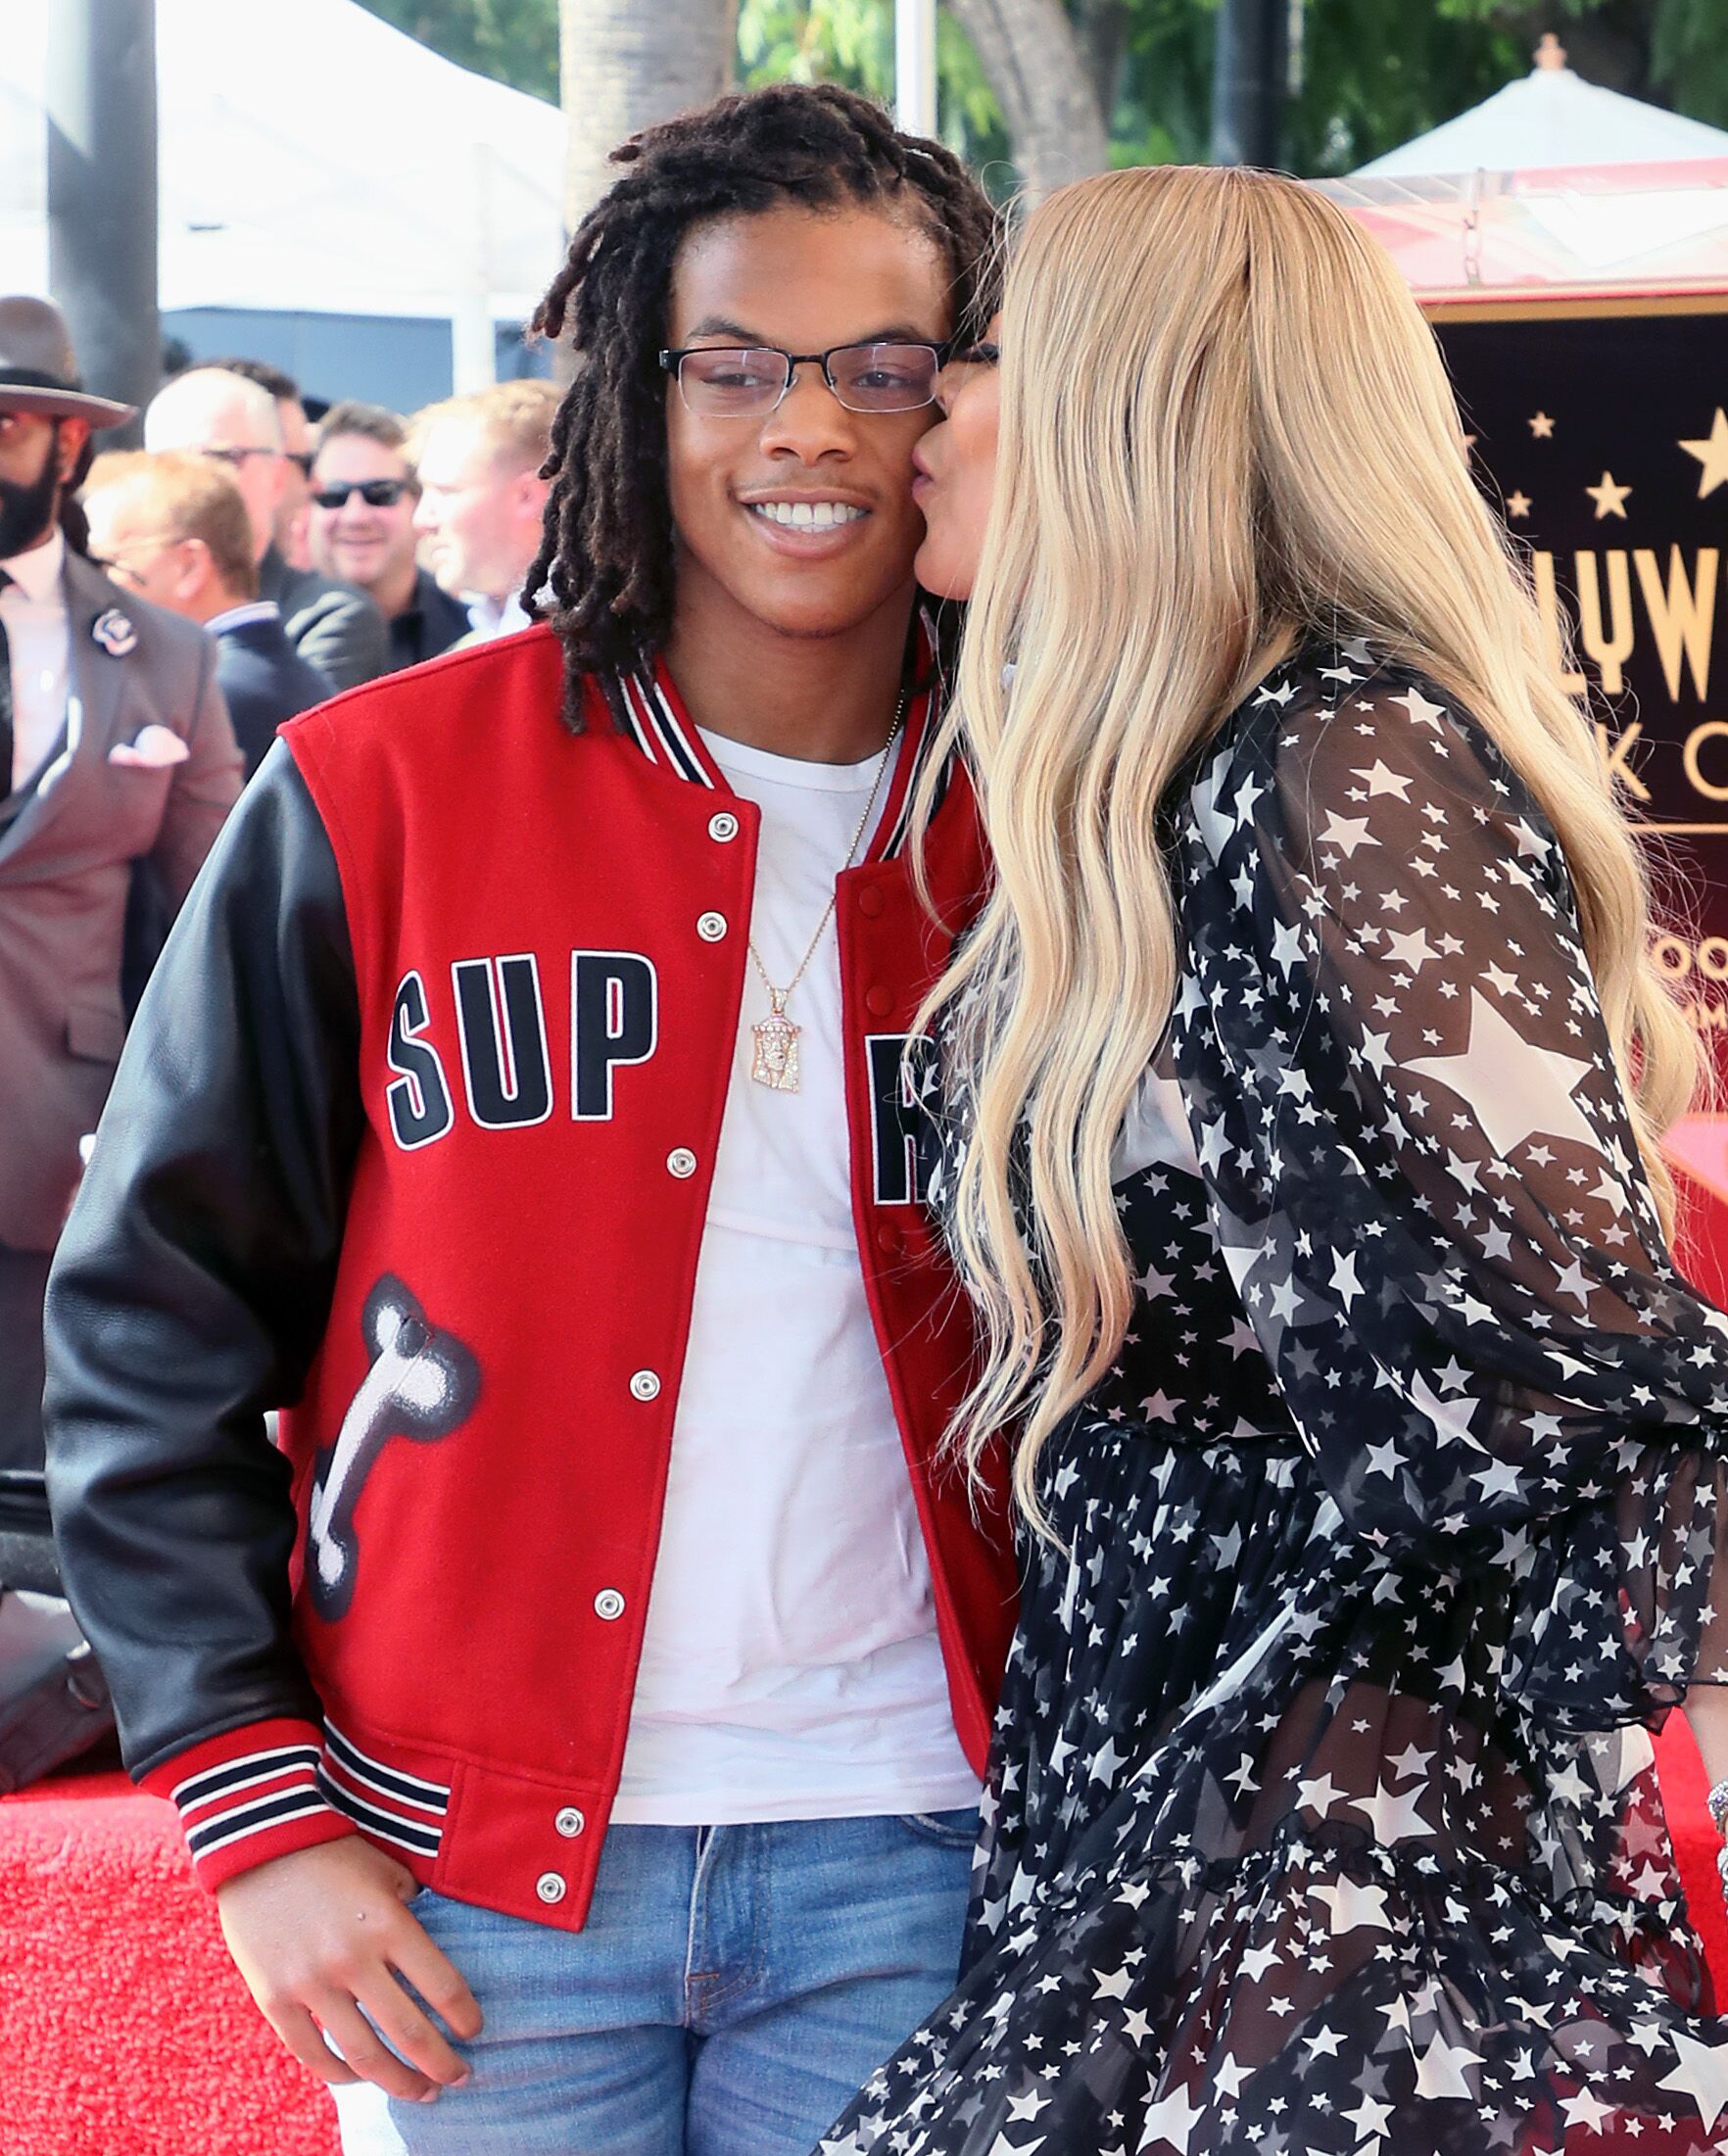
{"x":417,"y":1147}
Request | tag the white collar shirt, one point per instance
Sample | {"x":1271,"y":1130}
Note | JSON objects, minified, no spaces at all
{"x":32,"y":611}
{"x":243,"y":615}
{"x":495,"y":617}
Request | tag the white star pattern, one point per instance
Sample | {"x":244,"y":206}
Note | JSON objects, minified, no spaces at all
{"x":1410,"y":1411}
{"x":1514,"y":1088}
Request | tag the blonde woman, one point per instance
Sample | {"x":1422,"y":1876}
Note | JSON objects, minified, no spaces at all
{"x":1304,"y":1079}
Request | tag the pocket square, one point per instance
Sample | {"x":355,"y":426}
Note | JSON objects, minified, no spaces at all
{"x":155,"y":748}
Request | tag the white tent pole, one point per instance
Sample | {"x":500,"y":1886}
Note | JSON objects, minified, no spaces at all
{"x":915,"y":65}
{"x":474,"y":346}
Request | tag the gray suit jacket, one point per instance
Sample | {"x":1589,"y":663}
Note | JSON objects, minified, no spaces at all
{"x":335,"y":626}
{"x":66,"y":869}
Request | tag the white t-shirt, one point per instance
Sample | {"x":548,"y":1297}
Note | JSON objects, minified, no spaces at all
{"x":790,"y":1667}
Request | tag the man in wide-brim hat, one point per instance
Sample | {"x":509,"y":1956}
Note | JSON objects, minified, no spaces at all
{"x":118,"y":765}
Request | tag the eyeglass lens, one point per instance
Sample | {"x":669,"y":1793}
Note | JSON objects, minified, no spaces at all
{"x":739,"y":383}
{"x":376,"y":494}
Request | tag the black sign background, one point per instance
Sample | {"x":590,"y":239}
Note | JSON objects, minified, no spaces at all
{"x":1582,"y":429}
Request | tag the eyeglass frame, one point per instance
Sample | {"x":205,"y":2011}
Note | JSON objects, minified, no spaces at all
{"x":234,"y":454}
{"x":673,"y":356}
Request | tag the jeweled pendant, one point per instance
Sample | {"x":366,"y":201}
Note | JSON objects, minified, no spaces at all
{"x":774,"y":1063}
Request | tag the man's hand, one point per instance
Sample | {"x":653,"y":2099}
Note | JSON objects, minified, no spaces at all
{"x":323,"y":1933}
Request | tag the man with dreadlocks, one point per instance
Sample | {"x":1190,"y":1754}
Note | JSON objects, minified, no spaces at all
{"x":523,"y":1108}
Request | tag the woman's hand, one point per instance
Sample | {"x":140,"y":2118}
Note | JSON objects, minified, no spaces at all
{"x":322,"y":1934}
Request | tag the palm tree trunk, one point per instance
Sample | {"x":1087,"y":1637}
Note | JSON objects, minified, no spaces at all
{"x":625,"y":63}
{"x":1030,"y":53}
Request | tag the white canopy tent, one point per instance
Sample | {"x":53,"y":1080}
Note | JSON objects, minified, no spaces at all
{"x":1550,"y":118}
{"x":1556,"y":186}
{"x":314,"y":159}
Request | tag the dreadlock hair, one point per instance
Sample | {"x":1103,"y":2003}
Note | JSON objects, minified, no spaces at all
{"x":604,"y":576}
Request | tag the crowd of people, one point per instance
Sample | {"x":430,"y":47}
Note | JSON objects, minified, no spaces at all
{"x":375,"y":544}
{"x":875,"y":1349}
{"x":313,"y":555}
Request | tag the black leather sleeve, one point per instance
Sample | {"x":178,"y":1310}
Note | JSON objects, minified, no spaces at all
{"x":193,"y":1284}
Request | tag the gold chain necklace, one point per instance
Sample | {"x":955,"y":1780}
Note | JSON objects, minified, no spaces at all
{"x":776,"y":1058}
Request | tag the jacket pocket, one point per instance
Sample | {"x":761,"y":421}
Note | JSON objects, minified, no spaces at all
{"x":94,"y":1027}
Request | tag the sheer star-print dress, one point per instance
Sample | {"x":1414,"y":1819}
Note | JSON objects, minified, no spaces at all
{"x":1323,"y":1819}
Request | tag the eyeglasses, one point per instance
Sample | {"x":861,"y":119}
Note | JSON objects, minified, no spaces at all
{"x":302,"y":460}
{"x":376,"y":494}
{"x":129,"y":570}
{"x":748,"y":382}
{"x":235,"y":457}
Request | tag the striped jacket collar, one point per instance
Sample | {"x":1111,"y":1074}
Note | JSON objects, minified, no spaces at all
{"x":668,"y":737}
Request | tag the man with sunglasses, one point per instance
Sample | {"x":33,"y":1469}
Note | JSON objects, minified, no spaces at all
{"x":581,"y":1717}
{"x":235,"y":422}
{"x":363,"y":496}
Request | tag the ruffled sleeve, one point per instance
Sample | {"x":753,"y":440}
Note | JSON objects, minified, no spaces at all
{"x":1425,"y":1182}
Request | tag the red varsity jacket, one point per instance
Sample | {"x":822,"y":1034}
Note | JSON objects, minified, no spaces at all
{"x":548,"y":934}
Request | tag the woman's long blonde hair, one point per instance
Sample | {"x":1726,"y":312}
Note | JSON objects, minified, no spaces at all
{"x":1223,"y":424}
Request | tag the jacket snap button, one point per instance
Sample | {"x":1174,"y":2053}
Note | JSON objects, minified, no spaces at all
{"x":877,"y":1002}
{"x":609,"y":1603}
{"x":711,"y":927}
{"x":550,"y":1886}
{"x":723,"y":827}
{"x":682,"y":1161}
{"x":645,"y":1385}
{"x":569,"y":1822}
{"x":869,"y":900}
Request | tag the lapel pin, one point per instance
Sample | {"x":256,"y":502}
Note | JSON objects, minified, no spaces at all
{"x":114,"y":631}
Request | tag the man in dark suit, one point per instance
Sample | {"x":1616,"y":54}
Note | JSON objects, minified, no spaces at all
{"x":173,"y":530}
{"x":115,"y":749}
{"x":233,"y":421}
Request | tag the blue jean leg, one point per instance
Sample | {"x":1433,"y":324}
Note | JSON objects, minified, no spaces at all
{"x":584,"y":2050}
{"x":732,"y":1988}
{"x":862,"y":1939}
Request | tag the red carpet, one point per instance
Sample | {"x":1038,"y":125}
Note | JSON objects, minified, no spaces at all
{"x":126,"y":2031}
{"x":123,"y":2028}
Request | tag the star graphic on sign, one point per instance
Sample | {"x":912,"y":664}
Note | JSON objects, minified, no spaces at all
{"x":1514,"y":1088}
{"x":1702,"y":2075}
{"x":1542,"y":426}
{"x":1712,"y":454}
{"x":1517,"y":505}
{"x":1609,"y":498}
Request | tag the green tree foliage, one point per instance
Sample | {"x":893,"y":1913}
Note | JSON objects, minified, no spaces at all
{"x":853,"y":41}
{"x":514,"y":41}
{"x":1366,"y":74}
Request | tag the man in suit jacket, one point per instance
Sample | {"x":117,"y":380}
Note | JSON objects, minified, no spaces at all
{"x":173,"y":530}
{"x":233,"y":421}
{"x":114,"y":747}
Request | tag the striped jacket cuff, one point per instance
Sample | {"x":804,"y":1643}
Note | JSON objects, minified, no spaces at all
{"x":248,"y":1796}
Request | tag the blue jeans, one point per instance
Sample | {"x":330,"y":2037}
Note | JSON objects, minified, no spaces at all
{"x":733,"y":1988}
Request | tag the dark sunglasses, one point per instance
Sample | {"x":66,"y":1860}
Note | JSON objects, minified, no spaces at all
{"x":376,"y":494}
